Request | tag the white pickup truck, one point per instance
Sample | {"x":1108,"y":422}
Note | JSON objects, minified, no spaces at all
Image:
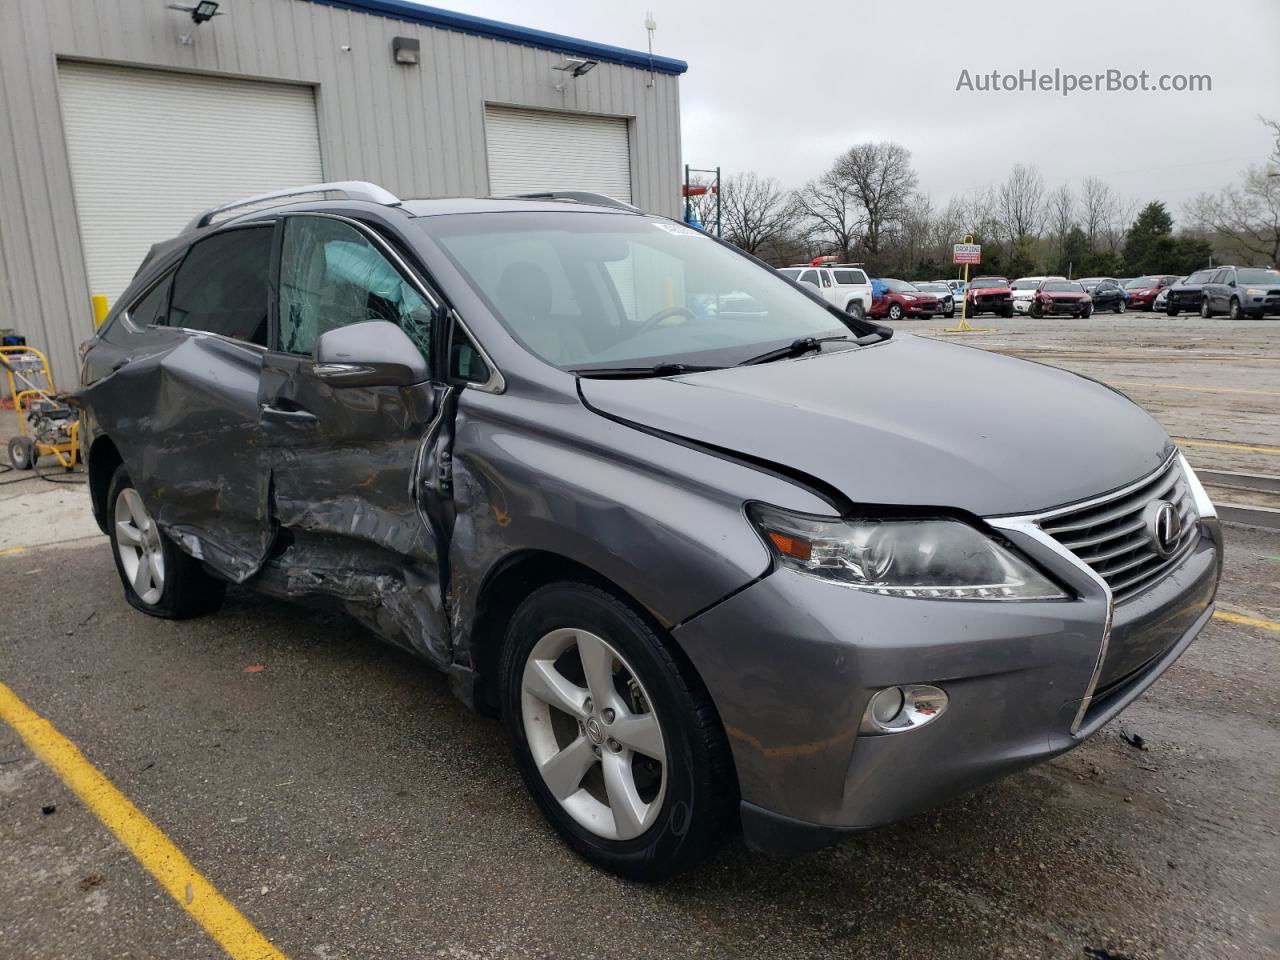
{"x":843,"y":285}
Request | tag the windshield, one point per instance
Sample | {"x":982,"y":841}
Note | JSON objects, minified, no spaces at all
{"x":1200,"y":276}
{"x":900,"y":286}
{"x":1258,"y":276}
{"x":583,"y":290}
{"x":1139,"y":282}
{"x":1024,"y":284}
{"x":1062,"y":286}
{"x":933,"y":287}
{"x":989,"y":282}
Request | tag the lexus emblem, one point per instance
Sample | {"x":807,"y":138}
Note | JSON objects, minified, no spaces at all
{"x":1164,"y":526}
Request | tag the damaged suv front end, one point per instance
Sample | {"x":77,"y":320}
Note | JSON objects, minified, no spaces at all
{"x":715,"y":551}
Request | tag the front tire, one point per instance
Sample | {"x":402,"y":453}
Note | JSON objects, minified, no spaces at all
{"x":158,"y":578}
{"x":1035,"y":310}
{"x":1170,"y":310}
{"x":1205,"y":311}
{"x":1087,"y":312}
{"x":895,"y":312}
{"x":1120,"y":306}
{"x":615,"y":737}
{"x":1233,"y":310}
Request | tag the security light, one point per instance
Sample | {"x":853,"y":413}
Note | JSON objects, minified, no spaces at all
{"x":202,"y":12}
{"x":575,"y":67}
{"x":405,"y":49}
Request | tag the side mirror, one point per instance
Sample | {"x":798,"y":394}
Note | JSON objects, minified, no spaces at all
{"x":1231,"y":283}
{"x":375,"y":353}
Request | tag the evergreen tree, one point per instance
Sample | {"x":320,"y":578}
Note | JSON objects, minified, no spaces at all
{"x":1149,"y":248}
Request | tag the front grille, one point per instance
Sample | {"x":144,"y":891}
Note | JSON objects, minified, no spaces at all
{"x":1111,"y":535}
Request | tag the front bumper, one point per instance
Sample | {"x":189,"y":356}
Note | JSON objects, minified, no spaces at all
{"x":791,"y":663}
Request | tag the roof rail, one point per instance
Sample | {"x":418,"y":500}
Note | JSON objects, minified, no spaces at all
{"x":355,"y":189}
{"x":577,"y":196}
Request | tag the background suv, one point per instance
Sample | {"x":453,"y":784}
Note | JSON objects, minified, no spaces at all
{"x":1241,"y":292}
{"x":844,"y":286}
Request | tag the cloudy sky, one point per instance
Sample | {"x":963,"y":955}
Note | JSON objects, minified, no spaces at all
{"x":781,"y":88}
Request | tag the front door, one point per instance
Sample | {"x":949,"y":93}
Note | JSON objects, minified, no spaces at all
{"x":345,"y":460}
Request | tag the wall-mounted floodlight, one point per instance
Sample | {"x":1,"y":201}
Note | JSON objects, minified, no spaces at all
{"x":573,"y":67}
{"x":201,"y":12}
{"x":405,"y":49}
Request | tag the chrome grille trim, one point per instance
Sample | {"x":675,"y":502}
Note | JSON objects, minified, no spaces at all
{"x":1107,"y":533}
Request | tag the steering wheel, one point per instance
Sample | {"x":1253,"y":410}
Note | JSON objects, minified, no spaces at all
{"x":661,"y":315}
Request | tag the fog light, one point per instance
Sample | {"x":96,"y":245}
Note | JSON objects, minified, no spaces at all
{"x":895,"y":709}
{"x":886,"y":705}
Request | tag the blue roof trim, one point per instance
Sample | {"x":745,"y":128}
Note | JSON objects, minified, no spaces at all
{"x":497,"y":30}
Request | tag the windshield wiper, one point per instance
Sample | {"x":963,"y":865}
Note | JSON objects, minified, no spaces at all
{"x":636,"y":373}
{"x":794,"y":349}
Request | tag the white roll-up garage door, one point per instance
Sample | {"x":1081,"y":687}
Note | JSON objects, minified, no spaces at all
{"x":149,"y":149}
{"x":532,"y":150}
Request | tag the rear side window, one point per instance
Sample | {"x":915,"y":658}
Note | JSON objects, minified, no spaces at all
{"x":331,"y":276}
{"x":150,"y":307}
{"x":221,"y":286}
{"x":845,"y":277}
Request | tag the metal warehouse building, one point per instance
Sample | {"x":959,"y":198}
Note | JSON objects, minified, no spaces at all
{"x":120,"y":119}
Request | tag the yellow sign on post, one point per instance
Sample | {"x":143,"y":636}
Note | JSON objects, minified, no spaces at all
{"x":966,"y":253}
{"x":100,"y":308}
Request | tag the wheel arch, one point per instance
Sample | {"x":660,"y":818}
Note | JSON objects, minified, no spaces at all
{"x":102,"y":462}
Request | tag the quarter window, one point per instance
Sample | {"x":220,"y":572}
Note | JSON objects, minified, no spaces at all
{"x":332,"y":276}
{"x":149,"y":309}
{"x":221,"y":286}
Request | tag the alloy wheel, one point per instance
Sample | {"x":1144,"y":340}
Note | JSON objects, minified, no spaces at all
{"x":593,"y":734}
{"x":139,"y":546}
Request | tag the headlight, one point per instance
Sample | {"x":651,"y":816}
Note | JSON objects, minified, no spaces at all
{"x":930,"y":559}
{"x":1255,"y":292}
{"x":907,"y":296}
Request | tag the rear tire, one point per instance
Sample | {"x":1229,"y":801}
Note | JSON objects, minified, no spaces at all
{"x":603,"y":797}
{"x":158,"y":578}
{"x":854,"y":309}
{"x":22,"y":453}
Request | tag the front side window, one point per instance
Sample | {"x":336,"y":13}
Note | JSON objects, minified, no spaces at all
{"x":331,"y":275}
{"x":222,"y":285}
{"x":587,"y":290}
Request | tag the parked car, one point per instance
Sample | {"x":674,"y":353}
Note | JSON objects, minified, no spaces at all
{"x":1106,"y":294}
{"x":1188,"y":294}
{"x":1143,"y":291}
{"x":989,"y":295}
{"x":957,"y":289}
{"x":844,"y":286}
{"x":946,"y":300}
{"x":901,"y":299}
{"x":1161,"y":302}
{"x":1023,"y":290}
{"x":757,"y":569}
{"x":1241,"y":292}
{"x":1061,"y":297}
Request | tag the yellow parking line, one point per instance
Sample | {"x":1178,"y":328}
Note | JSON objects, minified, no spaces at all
{"x":12,"y":551}
{"x":1184,"y":442}
{"x":155,"y":851}
{"x":1247,"y":621}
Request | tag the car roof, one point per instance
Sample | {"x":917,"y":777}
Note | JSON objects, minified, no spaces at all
{"x":450,"y":205}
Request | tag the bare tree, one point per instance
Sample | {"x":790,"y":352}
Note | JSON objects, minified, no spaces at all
{"x":1245,"y":218}
{"x":1021,"y":201}
{"x":1061,"y":211}
{"x":755,"y":210}
{"x":1097,"y":208}
{"x":1119,"y":219}
{"x":880,"y":177}
{"x":827,"y":206}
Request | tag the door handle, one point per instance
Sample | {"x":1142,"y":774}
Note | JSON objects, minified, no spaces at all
{"x":122,"y":362}
{"x":272,"y":414}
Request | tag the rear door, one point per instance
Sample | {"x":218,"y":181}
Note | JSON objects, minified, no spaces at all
{"x":181,"y":399}
{"x":350,"y":465}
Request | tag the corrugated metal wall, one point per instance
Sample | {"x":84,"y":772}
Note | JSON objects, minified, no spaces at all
{"x":418,"y":131}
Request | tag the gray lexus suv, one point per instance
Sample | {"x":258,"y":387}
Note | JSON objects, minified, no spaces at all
{"x":720,"y":555}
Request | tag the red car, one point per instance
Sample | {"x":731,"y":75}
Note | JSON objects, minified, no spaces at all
{"x":900,"y":299}
{"x":1060,"y":296}
{"x":1143,"y":291}
{"x":989,"y":295}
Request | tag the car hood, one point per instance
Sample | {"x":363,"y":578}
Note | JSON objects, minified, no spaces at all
{"x":909,"y":421}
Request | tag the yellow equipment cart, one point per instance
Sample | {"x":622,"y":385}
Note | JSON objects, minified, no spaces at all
{"x":46,"y":425}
